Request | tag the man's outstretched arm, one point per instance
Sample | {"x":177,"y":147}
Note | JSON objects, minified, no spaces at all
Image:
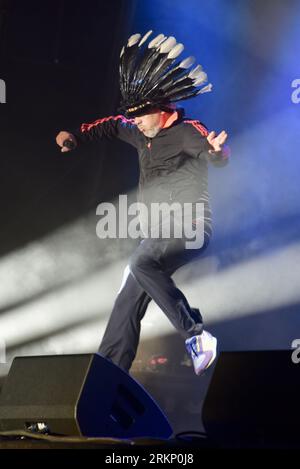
{"x":201,"y":143}
{"x":107,"y":127}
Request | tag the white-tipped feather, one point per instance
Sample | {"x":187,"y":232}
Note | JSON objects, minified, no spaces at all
{"x":147,"y":73}
{"x":133,"y":39}
{"x":167,"y":45}
{"x":188,"y":62}
{"x":157,"y":45}
{"x":144,"y":38}
{"x":176,"y":51}
{"x":193,"y":73}
{"x":156,"y":41}
{"x":206,"y":89}
{"x":201,"y":78}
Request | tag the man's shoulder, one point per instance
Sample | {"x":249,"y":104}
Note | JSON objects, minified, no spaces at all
{"x":194,"y":126}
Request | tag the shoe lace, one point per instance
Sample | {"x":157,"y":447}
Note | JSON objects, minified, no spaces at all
{"x":193,"y":347}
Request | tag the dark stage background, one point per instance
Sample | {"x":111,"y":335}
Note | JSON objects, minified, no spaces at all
{"x":58,"y":281}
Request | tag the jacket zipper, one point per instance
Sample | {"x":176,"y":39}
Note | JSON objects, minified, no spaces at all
{"x":149,"y":145}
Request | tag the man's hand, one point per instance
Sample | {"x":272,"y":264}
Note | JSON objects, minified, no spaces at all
{"x":62,"y":137}
{"x":216,"y":141}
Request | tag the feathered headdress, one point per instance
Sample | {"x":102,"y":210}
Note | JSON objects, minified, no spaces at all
{"x":148,"y":78}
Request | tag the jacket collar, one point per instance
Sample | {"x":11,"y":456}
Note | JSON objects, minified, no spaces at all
{"x":175,"y":118}
{"x":171,"y":119}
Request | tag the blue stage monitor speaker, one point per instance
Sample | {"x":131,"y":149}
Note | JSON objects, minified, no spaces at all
{"x":84,"y":395}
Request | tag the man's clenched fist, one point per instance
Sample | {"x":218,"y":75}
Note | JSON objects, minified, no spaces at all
{"x":61,"y":139}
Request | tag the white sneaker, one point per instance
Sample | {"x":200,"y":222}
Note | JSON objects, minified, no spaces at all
{"x":203,"y":351}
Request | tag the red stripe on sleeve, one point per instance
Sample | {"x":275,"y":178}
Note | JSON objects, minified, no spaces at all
{"x":86,"y":127}
{"x":198,"y":126}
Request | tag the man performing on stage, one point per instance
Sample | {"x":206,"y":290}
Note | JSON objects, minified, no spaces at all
{"x":174,"y":153}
